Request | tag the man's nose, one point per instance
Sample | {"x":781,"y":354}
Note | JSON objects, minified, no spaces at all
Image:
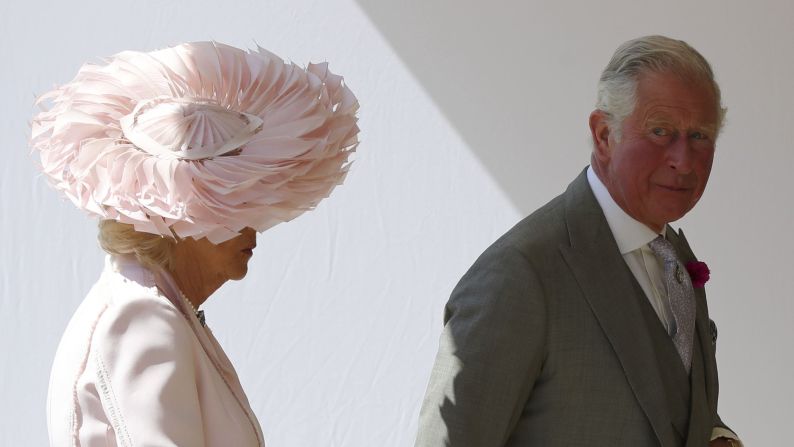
{"x":680,"y":155}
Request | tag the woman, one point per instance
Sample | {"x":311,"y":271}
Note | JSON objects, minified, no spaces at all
{"x":184,"y":154}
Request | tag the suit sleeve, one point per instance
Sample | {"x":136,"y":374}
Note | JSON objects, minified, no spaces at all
{"x":491,"y":351}
{"x":145,"y":375}
{"x":720,"y":430}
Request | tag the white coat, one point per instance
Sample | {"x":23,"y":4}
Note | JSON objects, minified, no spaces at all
{"x":136,"y":368}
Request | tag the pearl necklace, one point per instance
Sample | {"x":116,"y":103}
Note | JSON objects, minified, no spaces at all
{"x":198,"y":313}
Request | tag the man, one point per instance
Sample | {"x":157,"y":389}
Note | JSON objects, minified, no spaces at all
{"x":580,"y":326}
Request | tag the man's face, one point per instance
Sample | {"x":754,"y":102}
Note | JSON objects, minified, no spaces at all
{"x":659,"y":169}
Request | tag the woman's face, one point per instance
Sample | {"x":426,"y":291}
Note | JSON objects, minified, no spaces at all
{"x":227,"y":260}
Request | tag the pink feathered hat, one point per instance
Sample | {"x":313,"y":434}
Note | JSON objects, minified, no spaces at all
{"x":198,"y":140}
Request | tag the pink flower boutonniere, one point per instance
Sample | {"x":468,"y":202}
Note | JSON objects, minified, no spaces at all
{"x":699,"y":272}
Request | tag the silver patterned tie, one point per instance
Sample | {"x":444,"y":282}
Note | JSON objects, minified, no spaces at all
{"x":681,"y":297}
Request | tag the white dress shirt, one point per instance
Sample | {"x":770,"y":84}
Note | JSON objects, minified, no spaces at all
{"x":632,"y":238}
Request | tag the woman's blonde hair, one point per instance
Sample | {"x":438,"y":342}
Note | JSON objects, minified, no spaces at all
{"x":151,"y":250}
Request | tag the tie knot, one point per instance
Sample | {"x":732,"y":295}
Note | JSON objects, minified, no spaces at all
{"x":664,"y":249}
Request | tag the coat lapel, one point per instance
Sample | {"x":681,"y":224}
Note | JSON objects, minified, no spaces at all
{"x":702,"y":322}
{"x":700,"y":412}
{"x":213,"y":350}
{"x":611,"y":291}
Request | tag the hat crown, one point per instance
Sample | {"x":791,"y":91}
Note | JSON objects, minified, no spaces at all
{"x":188,"y":128}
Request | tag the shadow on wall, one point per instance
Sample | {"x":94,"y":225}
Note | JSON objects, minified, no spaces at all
{"x":515,"y":84}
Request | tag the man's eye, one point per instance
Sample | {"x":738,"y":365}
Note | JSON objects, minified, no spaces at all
{"x":699,"y":136}
{"x":660,"y":131}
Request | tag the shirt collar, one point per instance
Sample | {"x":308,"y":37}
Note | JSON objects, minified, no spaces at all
{"x":629,"y":233}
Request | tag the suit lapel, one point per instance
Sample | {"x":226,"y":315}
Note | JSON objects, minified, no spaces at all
{"x":700,"y":412}
{"x":702,"y":325}
{"x":609,"y":287}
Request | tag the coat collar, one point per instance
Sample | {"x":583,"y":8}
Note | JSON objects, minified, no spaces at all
{"x":629,"y":233}
{"x":612,"y":293}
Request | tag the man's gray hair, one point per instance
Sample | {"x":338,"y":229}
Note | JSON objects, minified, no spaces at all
{"x":659,"y":54}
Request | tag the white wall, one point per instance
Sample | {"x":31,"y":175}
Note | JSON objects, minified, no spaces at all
{"x":471,"y":117}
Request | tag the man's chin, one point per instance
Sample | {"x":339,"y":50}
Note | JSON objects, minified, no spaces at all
{"x":672,"y":215}
{"x":670,"y":209}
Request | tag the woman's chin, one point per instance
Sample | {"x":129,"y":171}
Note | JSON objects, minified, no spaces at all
{"x":239,"y":273}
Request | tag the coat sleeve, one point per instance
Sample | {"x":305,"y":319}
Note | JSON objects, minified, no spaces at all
{"x":491,"y":351}
{"x":146,"y":374}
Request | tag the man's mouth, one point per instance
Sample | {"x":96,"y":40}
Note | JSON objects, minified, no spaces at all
{"x":675,"y":188}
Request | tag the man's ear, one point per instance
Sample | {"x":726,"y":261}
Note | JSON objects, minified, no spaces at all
{"x":599,"y":129}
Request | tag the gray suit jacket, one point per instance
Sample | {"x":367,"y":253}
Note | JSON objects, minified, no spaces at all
{"x":549,"y":341}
